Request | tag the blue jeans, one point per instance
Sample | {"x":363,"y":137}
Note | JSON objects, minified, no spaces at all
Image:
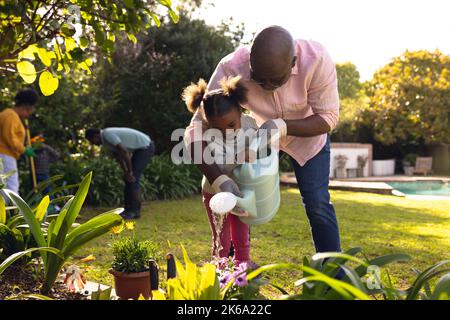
{"x":312,"y":180}
{"x":132,"y":190}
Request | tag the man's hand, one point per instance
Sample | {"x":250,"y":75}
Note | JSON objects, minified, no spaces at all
{"x":128,"y":177}
{"x":29,"y":151}
{"x":269,"y":134}
{"x":246,"y":155}
{"x":225,"y":184}
{"x":274,"y":126}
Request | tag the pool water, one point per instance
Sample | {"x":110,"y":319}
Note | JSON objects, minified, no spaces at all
{"x":429,"y":188}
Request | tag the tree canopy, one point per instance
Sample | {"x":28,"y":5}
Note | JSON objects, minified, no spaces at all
{"x":348,"y":76}
{"x":410,"y":99}
{"x":65,"y":34}
{"x":143,"y":85}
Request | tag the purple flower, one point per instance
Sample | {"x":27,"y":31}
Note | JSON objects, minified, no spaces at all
{"x":224,"y":279}
{"x":240,"y":278}
{"x":221,"y":263}
{"x":242,"y":267}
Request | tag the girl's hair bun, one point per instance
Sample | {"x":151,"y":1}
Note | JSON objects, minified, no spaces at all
{"x":233,"y":87}
{"x":193,"y":95}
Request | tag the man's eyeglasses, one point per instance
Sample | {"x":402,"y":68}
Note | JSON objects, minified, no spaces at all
{"x":270,"y":84}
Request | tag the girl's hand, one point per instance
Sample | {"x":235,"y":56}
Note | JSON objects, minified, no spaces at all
{"x":223,"y":183}
{"x":239,"y":212}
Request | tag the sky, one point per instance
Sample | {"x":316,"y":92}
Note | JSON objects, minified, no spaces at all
{"x":366,"y":32}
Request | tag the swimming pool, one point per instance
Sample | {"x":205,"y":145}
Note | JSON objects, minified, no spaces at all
{"x":428,"y":188}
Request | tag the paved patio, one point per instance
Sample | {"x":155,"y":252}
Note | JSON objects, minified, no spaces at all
{"x":374,"y":184}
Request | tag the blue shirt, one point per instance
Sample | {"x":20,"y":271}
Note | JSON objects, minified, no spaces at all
{"x":129,"y":138}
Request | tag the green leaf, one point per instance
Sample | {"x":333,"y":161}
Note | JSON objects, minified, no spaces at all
{"x":329,"y":265}
{"x":101,"y":294}
{"x":132,"y":37}
{"x":156,"y":19}
{"x":68,"y":30}
{"x":70,"y":44}
{"x":15,"y":220}
{"x":26,"y":71}
{"x":42,"y":186}
{"x":77,"y":54}
{"x":28,"y":53}
{"x":11,"y":241}
{"x":442,"y":289}
{"x":99,"y":34}
{"x":166,"y":3}
{"x":174,"y":16}
{"x":337,"y":285}
{"x":354,"y":278}
{"x":108,"y":45}
{"x":84,"y":42}
{"x":44,"y":56}
{"x":129,"y":3}
{"x":209,"y":287}
{"x":100,"y":220}
{"x":12,"y":258}
{"x":98,"y":228}
{"x":2,"y":210}
{"x":42,"y":208}
{"x":48,"y":83}
{"x":62,"y":188}
{"x":424,"y":277}
{"x":325,"y":255}
{"x":383,"y":260}
{"x":29,"y":217}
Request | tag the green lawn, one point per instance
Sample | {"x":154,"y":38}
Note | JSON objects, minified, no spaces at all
{"x":377,"y":223}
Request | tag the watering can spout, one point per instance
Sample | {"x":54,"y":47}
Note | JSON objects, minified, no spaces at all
{"x":225,"y":202}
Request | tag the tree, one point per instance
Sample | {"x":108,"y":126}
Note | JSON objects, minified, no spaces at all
{"x":410,"y":99}
{"x":143,"y":85}
{"x":64,"y":34}
{"x":348,"y":80}
{"x":352,"y":102}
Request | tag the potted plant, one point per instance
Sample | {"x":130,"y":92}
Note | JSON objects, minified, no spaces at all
{"x":409,"y":162}
{"x":131,"y":265}
{"x":341,"y":161}
{"x":362,"y":160}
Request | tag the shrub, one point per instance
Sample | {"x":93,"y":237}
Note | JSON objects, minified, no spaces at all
{"x":172,"y":181}
{"x":162,"y":179}
{"x":132,"y":255}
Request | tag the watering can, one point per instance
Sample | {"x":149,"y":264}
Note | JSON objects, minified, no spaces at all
{"x":259,"y":182}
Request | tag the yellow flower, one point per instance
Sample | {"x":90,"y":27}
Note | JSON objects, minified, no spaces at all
{"x":88,"y":258}
{"x":129,"y":225}
{"x":117,"y":229}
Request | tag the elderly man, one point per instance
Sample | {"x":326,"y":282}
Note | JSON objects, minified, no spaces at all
{"x":292,"y":88}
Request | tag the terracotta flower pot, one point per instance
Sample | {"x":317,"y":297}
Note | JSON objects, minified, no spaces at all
{"x":131,"y":285}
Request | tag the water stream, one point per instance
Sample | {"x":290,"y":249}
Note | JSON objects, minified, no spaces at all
{"x":218,"y":220}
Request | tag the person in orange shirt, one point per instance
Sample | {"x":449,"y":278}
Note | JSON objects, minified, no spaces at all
{"x":12,"y":134}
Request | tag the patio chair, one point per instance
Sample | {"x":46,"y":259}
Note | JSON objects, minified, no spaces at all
{"x":423,"y":165}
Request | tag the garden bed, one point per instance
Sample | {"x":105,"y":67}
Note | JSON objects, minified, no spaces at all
{"x":19,"y":281}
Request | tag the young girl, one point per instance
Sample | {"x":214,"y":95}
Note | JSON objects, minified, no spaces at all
{"x":221,"y":109}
